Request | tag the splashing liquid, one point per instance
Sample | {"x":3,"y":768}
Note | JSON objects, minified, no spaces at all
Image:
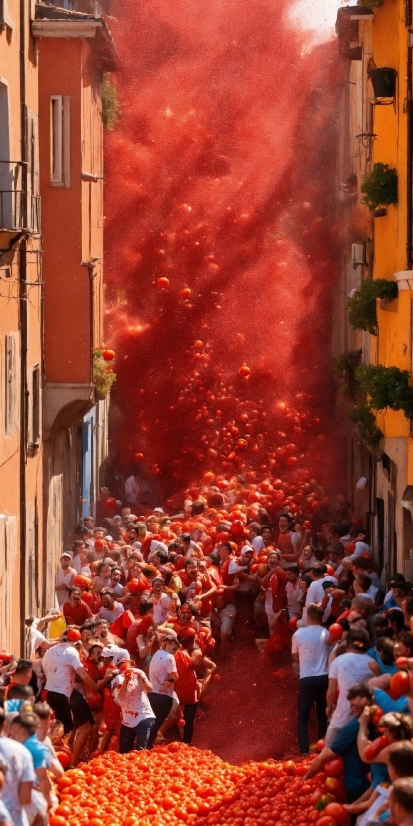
{"x":220,"y":248}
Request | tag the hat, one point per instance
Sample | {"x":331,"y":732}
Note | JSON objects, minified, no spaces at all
{"x":246,"y":549}
{"x":66,"y":553}
{"x":158,"y":579}
{"x":171,"y":635}
{"x":108,"y":538}
{"x":108,"y":652}
{"x":118,"y":518}
{"x":158,"y":510}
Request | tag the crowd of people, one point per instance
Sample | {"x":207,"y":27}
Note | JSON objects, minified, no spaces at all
{"x":146,"y":611}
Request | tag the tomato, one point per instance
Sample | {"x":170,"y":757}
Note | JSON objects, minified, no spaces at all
{"x":289,"y":767}
{"x":244,"y":371}
{"x":334,"y":768}
{"x":335,"y":786}
{"x":64,"y":759}
{"x":335,"y":631}
{"x":63,"y":810}
{"x":57,"y":820}
{"x":400,"y":684}
{"x":402,"y":662}
{"x":375,"y":747}
{"x":376,"y":717}
{"x":320,"y":744}
{"x":326,"y":820}
{"x":338,"y":813}
{"x":163,"y":282}
{"x":108,"y":355}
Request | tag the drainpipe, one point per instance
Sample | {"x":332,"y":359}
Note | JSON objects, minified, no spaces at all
{"x":23,"y":329}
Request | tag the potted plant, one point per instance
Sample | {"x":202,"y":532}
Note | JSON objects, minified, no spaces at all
{"x":386,"y":387}
{"x":362,"y":308}
{"x":103,"y":375}
{"x":380,"y":187}
{"x":383,"y":81}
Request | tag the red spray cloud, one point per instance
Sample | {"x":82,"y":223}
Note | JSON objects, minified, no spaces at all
{"x":220,"y":249}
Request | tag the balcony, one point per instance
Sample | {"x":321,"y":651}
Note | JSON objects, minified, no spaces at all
{"x":19,"y":209}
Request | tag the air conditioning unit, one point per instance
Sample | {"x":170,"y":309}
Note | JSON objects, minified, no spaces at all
{"x":358,"y":255}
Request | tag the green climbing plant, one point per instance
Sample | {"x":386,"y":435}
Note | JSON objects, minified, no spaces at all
{"x":103,"y":375}
{"x":110,"y":105}
{"x":364,"y":418}
{"x":386,"y":387}
{"x":380,"y":186}
{"x":361,"y":308}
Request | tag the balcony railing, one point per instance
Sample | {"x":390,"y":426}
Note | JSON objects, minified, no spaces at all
{"x":19,"y":208}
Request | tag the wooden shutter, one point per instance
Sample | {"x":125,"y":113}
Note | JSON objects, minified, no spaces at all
{"x":12,"y":381}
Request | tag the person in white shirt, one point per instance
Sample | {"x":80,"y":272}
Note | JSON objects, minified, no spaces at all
{"x":60,"y":664}
{"x":64,"y":578}
{"x":311,"y":647}
{"x":110,"y":609}
{"x":346,"y":670}
{"x":254,"y":536}
{"x":293,"y":591}
{"x":162,"y":675}
{"x":138,"y":719}
{"x":19,"y":777}
{"x":316,"y":591}
{"x":132,"y":489}
{"x":160,"y":600}
{"x":240,"y":567}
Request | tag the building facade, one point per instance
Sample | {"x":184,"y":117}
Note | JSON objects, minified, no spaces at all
{"x":376,"y":129}
{"x":53,"y":423}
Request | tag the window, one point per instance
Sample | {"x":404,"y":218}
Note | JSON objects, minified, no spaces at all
{"x":35,"y":404}
{"x":60,"y":140}
{"x":12,"y":389}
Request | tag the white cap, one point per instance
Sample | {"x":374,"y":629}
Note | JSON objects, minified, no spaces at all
{"x":246,"y":549}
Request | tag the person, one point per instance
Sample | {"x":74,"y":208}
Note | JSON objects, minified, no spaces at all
{"x":344,"y":744}
{"x":187,"y":687}
{"x":60,"y":664}
{"x":22,"y":675}
{"x":110,"y":609}
{"x":293,"y":591}
{"x":23,"y":729}
{"x":161,"y":600}
{"x":311,"y":648}
{"x":132,"y":490}
{"x":399,"y":764}
{"x":273,"y":585}
{"x":75,"y":611}
{"x":102,"y":578}
{"x":288,"y":541}
{"x":198,"y":586}
{"x":162,"y":675}
{"x":19,"y":777}
{"x":346,"y":670}
{"x":254,"y":536}
{"x":401,"y":802}
{"x":131,"y":694}
{"x":64,"y":578}
{"x":316,"y":591}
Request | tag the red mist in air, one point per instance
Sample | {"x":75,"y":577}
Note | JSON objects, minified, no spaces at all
{"x":221,"y":183}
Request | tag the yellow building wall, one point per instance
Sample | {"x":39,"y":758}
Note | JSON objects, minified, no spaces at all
{"x":393,"y":348}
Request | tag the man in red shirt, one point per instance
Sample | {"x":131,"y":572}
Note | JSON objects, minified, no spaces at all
{"x":198,"y":586}
{"x":187,"y":686}
{"x":75,"y":611}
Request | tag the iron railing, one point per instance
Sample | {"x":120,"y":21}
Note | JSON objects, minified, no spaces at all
{"x":19,"y":208}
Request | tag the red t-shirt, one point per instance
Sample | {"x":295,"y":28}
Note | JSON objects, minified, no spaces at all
{"x":186,"y":686}
{"x":77,"y":614}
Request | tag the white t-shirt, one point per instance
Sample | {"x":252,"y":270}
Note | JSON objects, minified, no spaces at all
{"x":161,"y":609}
{"x":132,"y":489}
{"x":348,"y":669}
{"x":316,"y":594}
{"x":20,"y":770}
{"x":135,"y":706}
{"x":110,"y":616}
{"x":235,"y":568}
{"x":59,"y":666}
{"x":66,"y":577}
{"x":294,"y":593}
{"x":312,"y":646}
{"x":258,"y":544}
{"x":161,"y":666}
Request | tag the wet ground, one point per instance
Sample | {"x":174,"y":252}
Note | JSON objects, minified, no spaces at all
{"x":250,"y":713}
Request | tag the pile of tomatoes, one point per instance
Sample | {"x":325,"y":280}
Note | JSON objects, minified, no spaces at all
{"x":178,"y":784}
